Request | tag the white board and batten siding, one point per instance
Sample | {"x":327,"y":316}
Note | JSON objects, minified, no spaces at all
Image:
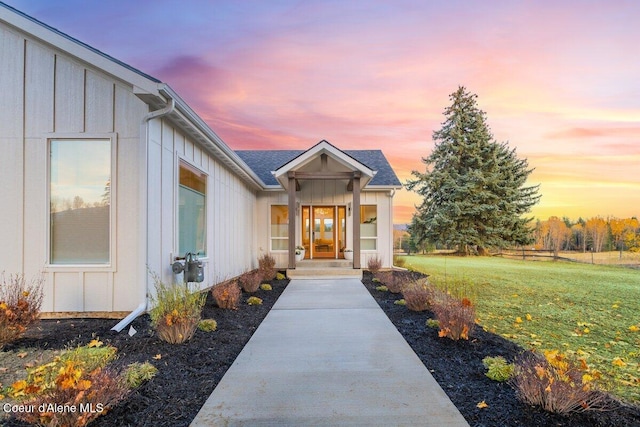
{"x":230,"y":208}
{"x":48,"y":94}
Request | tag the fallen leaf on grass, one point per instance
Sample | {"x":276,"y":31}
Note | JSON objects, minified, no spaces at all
{"x":482,"y":405}
{"x":157,"y":356}
{"x":3,"y":370}
{"x":618,"y":362}
{"x":22,"y":355}
{"x":634,"y":328}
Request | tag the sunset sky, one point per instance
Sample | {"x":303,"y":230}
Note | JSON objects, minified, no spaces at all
{"x":559,"y":80}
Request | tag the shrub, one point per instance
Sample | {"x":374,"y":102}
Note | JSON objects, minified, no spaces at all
{"x":432,"y":323}
{"x":227,"y":294}
{"x":455,"y":316}
{"x":77,"y":378}
{"x":19,"y":305}
{"x":374,"y":264}
{"x":137,"y":373}
{"x":398,"y":261}
{"x":280,"y":276}
{"x":267,"y":267}
{"x":382,"y":288}
{"x":250,"y":281}
{"x":497,"y":368}
{"x":556,"y":384}
{"x":266,"y":287}
{"x":390,"y":280}
{"x":254,"y":301}
{"x":176,"y":311}
{"x":418,"y":294}
{"x":400,"y":302}
{"x":207,"y":325}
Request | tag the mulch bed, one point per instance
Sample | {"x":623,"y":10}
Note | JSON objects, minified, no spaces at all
{"x":457,"y":367}
{"x":188,"y":373}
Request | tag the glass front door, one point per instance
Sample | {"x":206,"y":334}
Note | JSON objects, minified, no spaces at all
{"x":323,"y":231}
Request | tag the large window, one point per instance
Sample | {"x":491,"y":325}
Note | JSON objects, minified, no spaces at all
{"x":192,"y":219}
{"x":368,"y":227}
{"x":279,"y":227}
{"x":80,"y":200}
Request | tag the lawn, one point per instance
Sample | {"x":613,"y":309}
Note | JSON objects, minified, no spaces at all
{"x":589,"y":311}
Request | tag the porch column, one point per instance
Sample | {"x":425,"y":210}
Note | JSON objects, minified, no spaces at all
{"x":292,"y":220}
{"x":356,"y":220}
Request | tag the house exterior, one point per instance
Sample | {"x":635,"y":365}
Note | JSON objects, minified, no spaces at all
{"x":109,"y":175}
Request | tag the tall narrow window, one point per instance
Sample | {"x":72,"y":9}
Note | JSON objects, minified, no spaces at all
{"x":279,"y":227}
{"x":192,"y":220}
{"x":80,"y":200}
{"x":368,"y":227}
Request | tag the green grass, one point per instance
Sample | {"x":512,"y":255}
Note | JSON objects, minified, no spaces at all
{"x":579,"y":309}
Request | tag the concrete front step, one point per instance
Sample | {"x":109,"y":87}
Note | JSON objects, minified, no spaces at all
{"x":335,"y":269}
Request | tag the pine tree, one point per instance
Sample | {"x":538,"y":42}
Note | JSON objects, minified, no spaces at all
{"x":474,"y":193}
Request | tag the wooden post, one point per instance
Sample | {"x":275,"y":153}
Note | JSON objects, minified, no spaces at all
{"x":292,"y":220}
{"x":356,"y":220}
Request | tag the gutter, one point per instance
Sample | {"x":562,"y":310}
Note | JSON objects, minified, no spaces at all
{"x":144,"y":133}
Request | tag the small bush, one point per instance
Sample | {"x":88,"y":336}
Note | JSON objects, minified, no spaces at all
{"x":207,"y":325}
{"x":497,"y":368}
{"x":374,"y":264}
{"x":176,"y":311}
{"x":382,"y":288}
{"x":556,"y":384}
{"x":19,"y":305}
{"x":227,"y":294}
{"x":418,"y":294}
{"x":432,"y":323}
{"x":77,"y":378}
{"x":455,"y":316}
{"x":267,"y":267}
{"x":250,"y":281}
{"x":254,"y":301}
{"x":266,"y":287}
{"x":392,"y":281}
{"x":137,"y":373}
{"x":400,"y":302}
{"x":280,"y":276}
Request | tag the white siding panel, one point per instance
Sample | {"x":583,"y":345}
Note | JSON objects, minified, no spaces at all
{"x":99,"y":103}
{"x":35,"y":204}
{"x":39,"y":81}
{"x":69,"y":96}
{"x":68,"y":291}
{"x":11,"y":102}
{"x":11,"y":213}
{"x":98,"y":291}
{"x":129,"y":110}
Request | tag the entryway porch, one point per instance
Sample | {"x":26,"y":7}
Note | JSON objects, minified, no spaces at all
{"x":324,"y":269}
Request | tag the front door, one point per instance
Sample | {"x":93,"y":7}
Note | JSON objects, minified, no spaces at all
{"x":323,"y":231}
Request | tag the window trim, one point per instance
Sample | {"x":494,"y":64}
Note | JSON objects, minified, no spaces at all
{"x":271,"y":238}
{"x":111,"y":265}
{"x":190,"y":164}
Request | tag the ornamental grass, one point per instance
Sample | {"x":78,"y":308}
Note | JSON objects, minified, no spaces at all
{"x":176,"y":311}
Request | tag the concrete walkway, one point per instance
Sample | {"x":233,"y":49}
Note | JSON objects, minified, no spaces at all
{"x":327,"y":355}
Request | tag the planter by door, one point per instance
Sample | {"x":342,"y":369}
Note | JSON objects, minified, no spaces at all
{"x":348,"y":256}
{"x":300,"y":256}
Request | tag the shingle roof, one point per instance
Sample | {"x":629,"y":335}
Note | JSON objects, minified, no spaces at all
{"x":262,"y":162}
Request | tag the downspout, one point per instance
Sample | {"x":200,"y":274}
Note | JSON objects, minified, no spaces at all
{"x":390,"y":196}
{"x":144,"y":133}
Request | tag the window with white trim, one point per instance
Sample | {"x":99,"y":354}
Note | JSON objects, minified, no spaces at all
{"x":80,"y":201}
{"x":192,"y":218}
{"x":368,"y":227}
{"x":279,"y":227}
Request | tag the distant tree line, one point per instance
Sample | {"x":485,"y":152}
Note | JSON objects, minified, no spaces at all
{"x":595,"y":234}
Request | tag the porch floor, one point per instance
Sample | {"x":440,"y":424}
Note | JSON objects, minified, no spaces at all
{"x":325,"y":269}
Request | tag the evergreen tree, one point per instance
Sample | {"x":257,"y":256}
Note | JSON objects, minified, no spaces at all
{"x":474,"y":193}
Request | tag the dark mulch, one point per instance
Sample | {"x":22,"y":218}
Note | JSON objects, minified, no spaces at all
{"x":457,"y":367}
{"x":188,"y":373}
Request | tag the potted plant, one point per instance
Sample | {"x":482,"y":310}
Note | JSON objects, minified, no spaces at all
{"x":348,"y":254}
{"x":300,"y":253}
